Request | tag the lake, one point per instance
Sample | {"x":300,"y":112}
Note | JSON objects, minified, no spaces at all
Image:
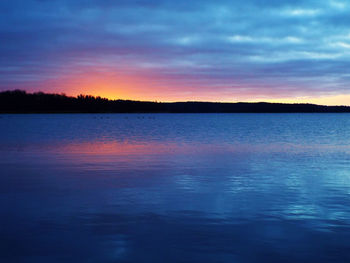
{"x":175,"y":188}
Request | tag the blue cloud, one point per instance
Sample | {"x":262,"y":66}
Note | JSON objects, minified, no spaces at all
{"x":295,"y":48}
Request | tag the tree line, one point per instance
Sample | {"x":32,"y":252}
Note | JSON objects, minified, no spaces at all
{"x":20,"y":101}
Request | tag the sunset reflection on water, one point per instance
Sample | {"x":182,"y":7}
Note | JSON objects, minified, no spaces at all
{"x":161,"y":188}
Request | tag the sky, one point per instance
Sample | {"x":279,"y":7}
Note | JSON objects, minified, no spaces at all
{"x":179,"y":50}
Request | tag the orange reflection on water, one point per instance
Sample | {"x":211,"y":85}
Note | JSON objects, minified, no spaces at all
{"x":117,"y":148}
{"x":111,"y":155}
{"x":120,"y":148}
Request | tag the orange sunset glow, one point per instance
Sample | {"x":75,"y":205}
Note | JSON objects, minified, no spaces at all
{"x":148,"y":88}
{"x":148,"y":85}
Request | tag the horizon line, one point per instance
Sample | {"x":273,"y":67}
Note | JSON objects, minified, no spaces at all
{"x":164,"y":101}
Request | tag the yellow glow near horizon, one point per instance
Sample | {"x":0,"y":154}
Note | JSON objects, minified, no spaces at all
{"x":144,"y":88}
{"x":335,"y":100}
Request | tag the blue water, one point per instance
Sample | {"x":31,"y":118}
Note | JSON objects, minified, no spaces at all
{"x":175,"y":188}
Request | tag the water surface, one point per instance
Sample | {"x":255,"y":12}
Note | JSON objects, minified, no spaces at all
{"x":175,"y":188}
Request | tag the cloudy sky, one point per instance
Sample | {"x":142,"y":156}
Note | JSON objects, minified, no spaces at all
{"x":171,"y":50}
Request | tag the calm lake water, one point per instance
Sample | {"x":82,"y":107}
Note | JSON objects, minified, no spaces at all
{"x":175,"y":188}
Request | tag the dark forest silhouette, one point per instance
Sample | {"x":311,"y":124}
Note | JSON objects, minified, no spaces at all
{"x":19,"y":101}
